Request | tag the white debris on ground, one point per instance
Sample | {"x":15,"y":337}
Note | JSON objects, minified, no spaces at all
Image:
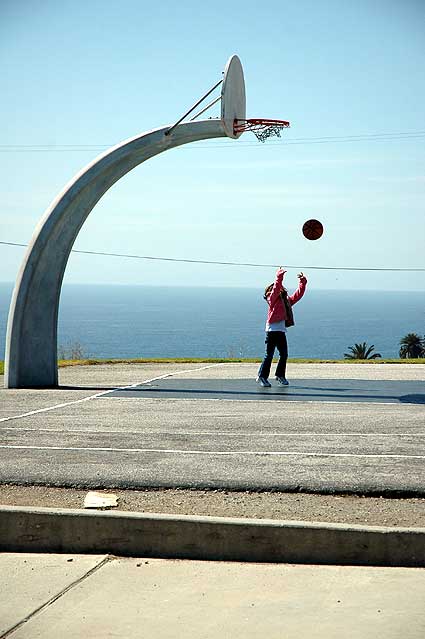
{"x":100,"y":500}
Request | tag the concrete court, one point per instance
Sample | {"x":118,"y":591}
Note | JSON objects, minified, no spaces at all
{"x":86,"y":433}
{"x":98,"y":596}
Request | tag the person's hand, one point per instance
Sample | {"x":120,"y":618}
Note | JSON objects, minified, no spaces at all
{"x":281,"y":270}
{"x":302,"y":277}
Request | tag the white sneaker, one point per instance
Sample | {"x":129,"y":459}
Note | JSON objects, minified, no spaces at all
{"x":263,"y":382}
{"x":282,"y":381}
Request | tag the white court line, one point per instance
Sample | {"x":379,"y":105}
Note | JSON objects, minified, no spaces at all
{"x":112,"y":390}
{"x":202,"y":433}
{"x":233,"y":453}
{"x":360,"y":402}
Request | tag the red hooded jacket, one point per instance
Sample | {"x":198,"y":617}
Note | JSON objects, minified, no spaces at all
{"x":277,"y":311}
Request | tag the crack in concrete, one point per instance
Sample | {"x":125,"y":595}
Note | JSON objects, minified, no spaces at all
{"x":60,"y":594}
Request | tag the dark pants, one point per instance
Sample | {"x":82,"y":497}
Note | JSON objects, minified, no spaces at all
{"x":274,"y":339}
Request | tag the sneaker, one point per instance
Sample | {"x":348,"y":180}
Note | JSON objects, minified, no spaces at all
{"x":263,"y":382}
{"x":282,"y":381}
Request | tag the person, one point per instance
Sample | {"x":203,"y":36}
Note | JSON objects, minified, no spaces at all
{"x":279,"y":318}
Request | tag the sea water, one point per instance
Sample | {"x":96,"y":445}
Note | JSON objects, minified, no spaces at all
{"x":141,"y":321}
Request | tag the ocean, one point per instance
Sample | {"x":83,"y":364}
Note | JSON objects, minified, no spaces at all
{"x":142,"y":321}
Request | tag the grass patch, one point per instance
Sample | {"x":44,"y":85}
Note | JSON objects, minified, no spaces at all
{"x":151,"y":360}
{"x":229,"y":360}
{"x":205,"y":360}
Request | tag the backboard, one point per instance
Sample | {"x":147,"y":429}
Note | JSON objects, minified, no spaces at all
{"x":233,"y":100}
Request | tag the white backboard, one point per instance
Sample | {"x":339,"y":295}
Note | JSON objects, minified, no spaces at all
{"x":233,"y":100}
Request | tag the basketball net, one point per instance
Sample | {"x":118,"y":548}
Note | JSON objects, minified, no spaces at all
{"x":261,"y":128}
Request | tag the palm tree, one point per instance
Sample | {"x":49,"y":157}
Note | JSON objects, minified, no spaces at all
{"x":361,"y":351}
{"x":412,"y":346}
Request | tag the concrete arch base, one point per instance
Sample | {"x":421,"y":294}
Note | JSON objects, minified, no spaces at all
{"x":31,"y":340}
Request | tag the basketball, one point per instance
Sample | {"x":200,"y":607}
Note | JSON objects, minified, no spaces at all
{"x":312,"y":229}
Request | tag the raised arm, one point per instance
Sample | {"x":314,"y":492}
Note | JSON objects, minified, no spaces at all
{"x":297,"y":295}
{"x":277,"y":286}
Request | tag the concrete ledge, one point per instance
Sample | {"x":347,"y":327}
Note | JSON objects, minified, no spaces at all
{"x":209,"y":538}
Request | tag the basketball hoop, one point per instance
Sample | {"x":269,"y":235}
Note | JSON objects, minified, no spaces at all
{"x":260,"y":127}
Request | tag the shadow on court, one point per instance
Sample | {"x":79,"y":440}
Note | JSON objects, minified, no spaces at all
{"x":306,"y":390}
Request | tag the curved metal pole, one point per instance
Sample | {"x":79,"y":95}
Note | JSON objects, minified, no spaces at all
{"x":31,"y":340}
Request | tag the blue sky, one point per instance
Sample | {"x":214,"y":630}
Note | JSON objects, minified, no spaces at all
{"x":94,"y":73}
